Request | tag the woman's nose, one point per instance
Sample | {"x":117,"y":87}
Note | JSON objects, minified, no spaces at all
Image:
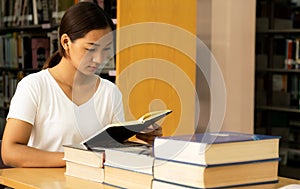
{"x":97,"y":58}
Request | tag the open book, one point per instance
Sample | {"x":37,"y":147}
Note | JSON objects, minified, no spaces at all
{"x":117,"y":133}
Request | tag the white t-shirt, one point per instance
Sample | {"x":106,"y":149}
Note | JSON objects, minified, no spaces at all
{"x":56,"y":120}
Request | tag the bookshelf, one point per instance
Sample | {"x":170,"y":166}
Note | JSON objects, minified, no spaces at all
{"x":277,"y":85}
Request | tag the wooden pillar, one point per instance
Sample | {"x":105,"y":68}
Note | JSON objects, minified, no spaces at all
{"x":155,"y":66}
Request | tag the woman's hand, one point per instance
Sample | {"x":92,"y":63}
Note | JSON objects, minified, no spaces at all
{"x":150,"y":136}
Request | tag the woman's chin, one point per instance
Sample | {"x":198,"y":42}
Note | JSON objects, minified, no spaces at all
{"x":89,"y":70}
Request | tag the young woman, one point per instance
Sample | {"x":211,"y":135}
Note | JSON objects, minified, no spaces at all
{"x":66,"y":102}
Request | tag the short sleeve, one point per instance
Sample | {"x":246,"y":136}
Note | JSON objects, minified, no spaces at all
{"x":23,"y":105}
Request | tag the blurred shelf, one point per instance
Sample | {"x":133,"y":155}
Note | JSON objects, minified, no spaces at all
{"x":280,"y":71}
{"x":281,"y":109}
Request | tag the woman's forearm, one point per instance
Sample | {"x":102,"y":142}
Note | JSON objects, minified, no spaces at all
{"x":19,"y":155}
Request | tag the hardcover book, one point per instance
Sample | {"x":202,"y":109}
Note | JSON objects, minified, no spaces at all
{"x":135,"y":158}
{"x":228,"y":175}
{"x":129,"y":167}
{"x":125,"y":178}
{"x":160,"y":184}
{"x":117,"y":133}
{"x":84,"y":171}
{"x":40,"y":47}
{"x":217,"y":148}
{"x":79,"y":154}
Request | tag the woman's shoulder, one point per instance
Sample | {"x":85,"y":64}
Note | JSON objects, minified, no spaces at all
{"x":107,"y":82}
{"x":35,"y":78}
{"x":108,"y":86}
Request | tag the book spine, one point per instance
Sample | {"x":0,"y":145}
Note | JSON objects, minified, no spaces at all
{"x":10,"y":49}
{"x":40,"y":48}
{"x":59,"y":9}
{"x":2,"y":51}
{"x":27,"y":13}
{"x":35,"y":12}
{"x":2,"y":13}
{"x":289,"y":54}
{"x":45,"y":17}
{"x":27,"y":55}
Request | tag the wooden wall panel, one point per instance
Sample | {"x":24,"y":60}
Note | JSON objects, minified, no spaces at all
{"x":155,"y":60}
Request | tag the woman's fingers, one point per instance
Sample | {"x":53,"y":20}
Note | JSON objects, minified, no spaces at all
{"x":150,"y":136}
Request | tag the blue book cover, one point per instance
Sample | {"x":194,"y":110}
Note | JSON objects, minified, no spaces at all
{"x":215,"y":148}
{"x":220,"y":137}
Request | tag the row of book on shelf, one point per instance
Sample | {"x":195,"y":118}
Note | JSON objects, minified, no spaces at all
{"x":285,"y":87}
{"x":30,"y":49}
{"x":206,"y":160}
{"x":24,"y":50}
{"x":16,"y":13}
{"x":285,"y":90}
{"x":21,"y":13}
{"x":285,"y":54}
{"x":292,"y":54}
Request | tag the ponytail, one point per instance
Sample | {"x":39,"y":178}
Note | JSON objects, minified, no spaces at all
{"x":52,"y":60}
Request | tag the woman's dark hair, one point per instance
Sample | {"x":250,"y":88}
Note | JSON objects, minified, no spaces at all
{"x":77,"y":21}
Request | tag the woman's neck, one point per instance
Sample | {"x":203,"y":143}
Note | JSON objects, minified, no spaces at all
{"x":77,"y":86}
{"x":64,"y":72}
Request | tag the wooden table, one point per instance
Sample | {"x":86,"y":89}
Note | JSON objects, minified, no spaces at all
{"x":54,"y":178}
{"x":286,"y":181}
{"x":45,"y":178}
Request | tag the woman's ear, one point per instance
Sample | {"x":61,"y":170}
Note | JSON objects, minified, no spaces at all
{"x":65,"y":41}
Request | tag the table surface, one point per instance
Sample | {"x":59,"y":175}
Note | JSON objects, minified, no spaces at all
{"x":44,"y":178}
{"x":54,"y":178}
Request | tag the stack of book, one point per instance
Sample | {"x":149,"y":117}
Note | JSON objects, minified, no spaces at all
{"x":126,"y":164}
{"x":129,"y":167}
{"x":216,"y":160}
{"x":83,"y":163}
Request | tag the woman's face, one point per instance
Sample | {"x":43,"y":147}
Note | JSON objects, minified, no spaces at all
{"x":94,"y":49}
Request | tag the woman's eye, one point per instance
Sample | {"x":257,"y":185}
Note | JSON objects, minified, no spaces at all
{"x":107,"y":51}
{"x":90,"y":49}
